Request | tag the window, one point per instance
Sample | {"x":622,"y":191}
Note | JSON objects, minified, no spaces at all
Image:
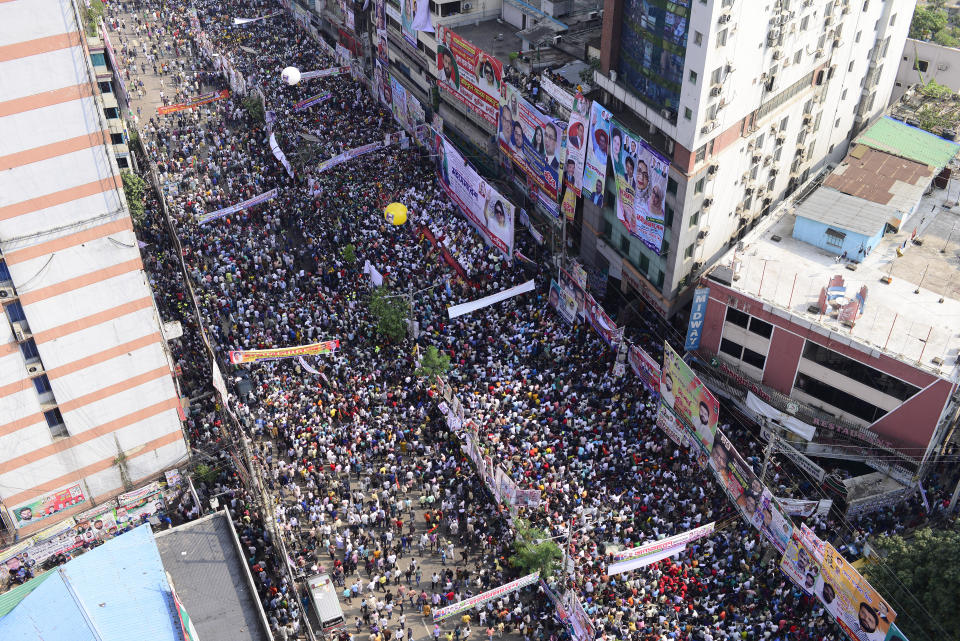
{"x":921,"y":65}
{"x":835,"y":238}
{"x":98,"y":60}
{"x":856,"y":38}
{"x":5,"y":273}
{"x":122,"y":163}
{"x":716,"y":76}
{"x":784,"y":122}
{"x":731,"y":348}
{"x":687,"y":113}
{"x":105,"y":86}
{"x":15,"y":312}
{"x":797,"y":56}
{"x":698,"y":188}
{"x":722,"y":38}
{"x":668,"y":218}
{"x":893,"y":19}
{"x":625,"y":245}
{"x":672,"y":184}
{"x":693,"y":77}
{"x":644,"y":262}
{"x":694,"y":219}
{"x":29,"y":350}
{"x":42,"y":384}
{"x":837,"y":398}
{"x":843,"y":96}
{"x":804,"y":23}
{"x":697,"y":38}
{"x":116,"y":139}
{"x":760,"y":328}
{"x":751,"y":357}
{"x":111,"y":112}
{"x":737,"y":317}
{"x":836,"y":124}
{"x":858,"y":371}
{"x":688,"y":252}
{"x":55,"y":422}
{"x":850,"y":66}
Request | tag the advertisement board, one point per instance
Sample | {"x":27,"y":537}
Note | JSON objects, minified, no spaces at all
{"x":491,"y":213}
{"x":533,"y":140}
{"x":470,"y":74}
{"x":698,"y":312}
{"x":577,"y":132}
{"x":47,"y":505}
{"x":859,"y":609}
{"x":604,"y":325}
{"x":641,"y":175}
{"x":238,"y":357}
{"x":799,"y":564}
{"x":563,"y":301}
{"x":645,"y":367}
{"x":693,"y":404}
{"x":598,"y":151}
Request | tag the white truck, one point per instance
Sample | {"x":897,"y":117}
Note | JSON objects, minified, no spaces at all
{"x":326,"y":601}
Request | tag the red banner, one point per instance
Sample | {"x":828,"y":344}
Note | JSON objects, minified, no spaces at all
{"x":195,"y":102}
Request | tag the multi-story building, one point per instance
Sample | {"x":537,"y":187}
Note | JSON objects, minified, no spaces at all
{"x":88,"y":403}
{"x":924,"y":61}
{"x":113,"y":92}
{"x":748,"y":100}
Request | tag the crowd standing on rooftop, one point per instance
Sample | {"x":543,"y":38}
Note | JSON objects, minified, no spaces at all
{"x":367,"y":479}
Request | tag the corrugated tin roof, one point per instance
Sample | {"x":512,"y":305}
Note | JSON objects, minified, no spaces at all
{"x":901,"y":139}
{"x":846,"y":213}
{"x":113,"y":592}
{"x":10,"y":598}
{"x":881,"y":177}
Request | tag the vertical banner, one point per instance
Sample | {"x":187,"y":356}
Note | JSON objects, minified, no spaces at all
{"x":859,"y":610}
{"x":604,"y":325}
{"x":399,"y":106}
{"x":484,"y":206}
{"x":577,"y":131}
{"x":641,"y":175}
{"x":532,"y":140}
{"x":470,"y":74}
{"x":698,"y":311}
{"x":570,"y":284}
{"x":646,"y":368}
{"x":693,"y":404}
{"x":595,"y":162}
{"x":408,"y":14}
{"x":568,"y":207}
{"x":563,"y":301}
{"x":799,"y":564}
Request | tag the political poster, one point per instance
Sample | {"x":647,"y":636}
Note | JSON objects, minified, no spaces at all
{"x":641,"y":176}
{"x":654,"y":551}
{"x":98,"y":524}
{"x":568,"y":206}
{"x":196,"y":101}
{"x":311,"y":101}
{"x":533,"y":140}
{"x":577,"y":130}
{"x":246,"y":204}
{"x":859,"y":609}
{"x":349,"y":155}
{"x":642,"y":561}
{"x":772,"y":521}
{"x":414,"y":16}
{"x":894,"y":634}
{"x":799,"y":564}
{"x":602,"y":323}
{"x":238,"y":357}
{"x":813,"y":542}
{"x":563,"y":301}
{"x":736,"y":476}
{"x":580,"y":623}
{"x":645,"y":367}
{"x":491,"y":213}
{"x":804,"y":508}
{"x":698,"y":312}
{"x":684,"y":393}
{"x":399,"y":102}
{"x":381,"y":83}
{"x":595,"y":161}
{"x":470,"y":74}
{"x":47,"y":505}
{"x":479,"y":599}
{"x":569,"y":283}
{"x":134,"y":511}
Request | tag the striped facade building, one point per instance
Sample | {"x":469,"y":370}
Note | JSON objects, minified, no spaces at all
{"x":88,"y":402}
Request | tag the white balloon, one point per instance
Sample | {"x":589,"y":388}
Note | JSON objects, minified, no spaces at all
{"x":290,"y":75}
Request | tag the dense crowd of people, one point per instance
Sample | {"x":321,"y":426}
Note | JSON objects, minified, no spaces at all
{"x":366,"y":476}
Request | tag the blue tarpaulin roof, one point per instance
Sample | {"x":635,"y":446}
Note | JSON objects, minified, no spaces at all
{"x":115,"y":592}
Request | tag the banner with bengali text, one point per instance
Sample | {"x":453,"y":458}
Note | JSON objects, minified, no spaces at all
{"x":238,"y":357}
{"x":204,"y":99}
{"x":246,"y":204}
{"x":470,"y":74}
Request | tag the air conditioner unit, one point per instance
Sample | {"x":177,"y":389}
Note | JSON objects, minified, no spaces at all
{"x":716,"y":89}
{"x":594,"y":15}
{"x":738,"y":209}
{"x":800,"y":147}
{"x":698,"y":240}
{"x":745,"y":177}
{"x":767,"y":160}
{"x":777,"y":54}
{"x":467,"y":6}
{"x":729,"y":68}
{"x":724,"y":18}
{"x":706,"y":203}
{"x":818,"y":53}
{"x":697,"y":266}
{"x":828,"y":21}
{"x":708,"y":126}
{"x":712,"y":169}
{"x":703,"y":232}
{"x":807,"y":117}
{"x":613,"y":75}
{"x":6,"y":292}
{"x":837,"y":43}
{"x":845,"y":11}
{"x":557,"y":38}
{"x":774,"y":171}
{"x":17,"y":332}
{"x":34,"y":369}
{"x":781,"y":137}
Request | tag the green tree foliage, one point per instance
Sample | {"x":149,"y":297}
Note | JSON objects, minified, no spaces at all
{"x":205,"y":474}
{"x":927,"y":20}
{"x":135,"y":189}
{"x":391,"y":313}
{"x":92,"y":15}
{"x":254,"y":108}
{"x":433,"y":363}
{"x":532,"y":551}
{"x":928,"y":566}
{"x":349,"y":253}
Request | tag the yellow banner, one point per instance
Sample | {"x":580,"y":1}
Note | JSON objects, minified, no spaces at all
{"x":238,"y":357}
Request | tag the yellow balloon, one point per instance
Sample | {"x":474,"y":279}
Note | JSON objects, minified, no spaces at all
{"x":395,"y":213}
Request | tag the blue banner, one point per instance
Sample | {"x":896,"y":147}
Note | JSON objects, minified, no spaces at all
{"x":698,"y":312}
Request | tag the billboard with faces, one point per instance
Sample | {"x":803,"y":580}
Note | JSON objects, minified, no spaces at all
{"x":533,"y":140}
{"x":470,"y":74}
{"x":689,"y":399}
{"x":641,"y":175}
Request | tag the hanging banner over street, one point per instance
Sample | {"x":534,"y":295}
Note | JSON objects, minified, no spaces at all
{"x":689,"y":399}
{"x":604,"y":325}
{"x":349,"y":155}
{"x":577,"y":131}
{"x":472,"y":306}
{"x":279,"y":155}
{"x":480,"y":599}
{"x":246,"y":204}
{"x":490,"y":213}
{"x":470,"y":74}
{"x":641,"y":174}
{"x":206,"y":98}
{"x":238,"y":357}
{"x":533,"y":140}
{"x":859,"y":609}
{"x":313,"y":100}
{"x":324,"y":73}
{"x":595,"y":163}
{"x":663,"y":544}
{"x":645,"y":560}
{"x":645,"y":367}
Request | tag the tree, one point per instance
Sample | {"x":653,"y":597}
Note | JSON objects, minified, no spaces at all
{"x":135,"y":189}
{"x":254,"y":108}
{"x":532,"y":550}
{"x":391,"y":312}
{"x":433,"y":363}
{"x":349,"y":253}
{"x":92,"y":15}
{"x":926,"y":565}
{"x":926,"y":22}
{"x":205,"y":474}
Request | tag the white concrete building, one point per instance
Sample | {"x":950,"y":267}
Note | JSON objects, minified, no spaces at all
{"x":749,"y":99}
{"x":922,"y":62}
{"x":87,"y":399}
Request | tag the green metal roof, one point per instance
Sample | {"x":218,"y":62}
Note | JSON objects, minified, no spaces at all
{"x":900,"y":139}
{"x":10,"y":599}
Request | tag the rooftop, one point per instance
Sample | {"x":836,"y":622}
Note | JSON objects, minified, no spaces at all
{"x":788,"y":274}
{"x":837,"y":209}
{"x":907,"y":141}
{"x":497,"y":38}
{"x":881,"y":178}
{"x":209,"y":576}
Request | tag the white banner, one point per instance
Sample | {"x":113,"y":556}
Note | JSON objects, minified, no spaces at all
{"x":279,"y":155}
{"x":663,"y":544}
{"x":243,"y":21}
{"x":375,"y":276}
{"x":486,"y":301}
{"x":643,"y":561}
{"x":466,"y":604}
{"x":305,"y":366}
{"x":324,"y":73}
{"x":246,"y":204}
{"x":795,"y":425}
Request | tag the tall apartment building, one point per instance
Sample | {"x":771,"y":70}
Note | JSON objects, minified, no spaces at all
{"x":113,"y":93}
{"x":88,"y":404}
{"x":749,"y":100}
